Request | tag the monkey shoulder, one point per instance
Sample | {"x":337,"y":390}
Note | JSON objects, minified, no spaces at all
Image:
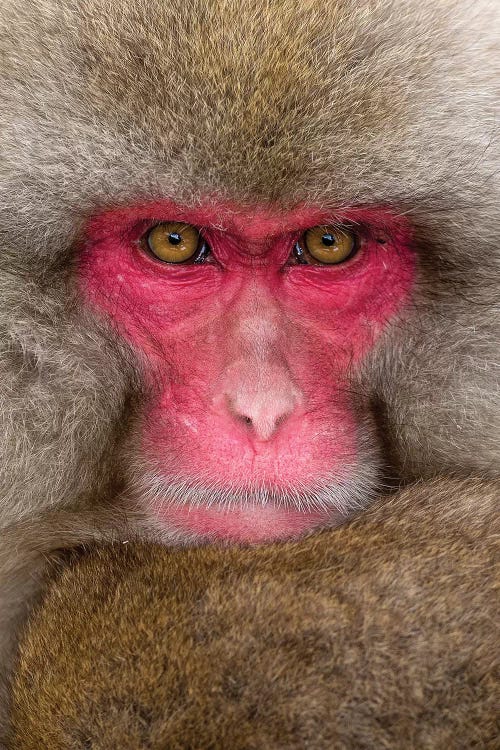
{"x":381,"y":629}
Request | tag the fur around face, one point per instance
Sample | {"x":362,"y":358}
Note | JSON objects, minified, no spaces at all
{"x":380,"y":634}
{"x":270,"y":101}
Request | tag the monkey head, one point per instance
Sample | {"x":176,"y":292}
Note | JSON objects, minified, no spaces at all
{"x":248,"y":257}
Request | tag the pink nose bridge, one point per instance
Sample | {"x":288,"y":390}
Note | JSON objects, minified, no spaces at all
{"x":258,"y":387}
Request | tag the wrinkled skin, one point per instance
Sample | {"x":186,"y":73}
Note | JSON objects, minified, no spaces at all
{"x":251,"y":359}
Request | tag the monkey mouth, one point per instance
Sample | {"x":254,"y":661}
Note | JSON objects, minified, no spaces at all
{"x":190,"y":512}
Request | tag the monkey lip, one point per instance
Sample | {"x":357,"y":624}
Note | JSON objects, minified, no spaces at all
{"x":250,"y":524}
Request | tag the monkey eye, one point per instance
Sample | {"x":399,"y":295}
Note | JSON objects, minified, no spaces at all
{"x":175,"y":242}
{"x":326,"y":245}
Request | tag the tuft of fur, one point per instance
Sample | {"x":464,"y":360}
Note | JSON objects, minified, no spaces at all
{"x":378,"y":634}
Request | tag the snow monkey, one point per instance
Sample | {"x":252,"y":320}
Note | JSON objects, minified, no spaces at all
{"x":248,"y":277}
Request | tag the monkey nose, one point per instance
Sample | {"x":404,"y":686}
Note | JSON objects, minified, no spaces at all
{"x":264,"y":412}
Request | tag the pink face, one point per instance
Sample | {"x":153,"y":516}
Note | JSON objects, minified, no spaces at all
{"x":252,"y":431}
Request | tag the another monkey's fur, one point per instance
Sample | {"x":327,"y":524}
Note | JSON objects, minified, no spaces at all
{"x":381,"y":634}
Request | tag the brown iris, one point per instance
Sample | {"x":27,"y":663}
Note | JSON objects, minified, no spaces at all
{"x":173,"y":241}
{"x":327,"y":244}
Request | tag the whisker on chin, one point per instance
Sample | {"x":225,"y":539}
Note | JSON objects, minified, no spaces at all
{"x":344,"y":496}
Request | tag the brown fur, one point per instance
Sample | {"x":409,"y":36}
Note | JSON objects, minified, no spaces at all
{"x":381,"y":634}
{"x":104,"y":103}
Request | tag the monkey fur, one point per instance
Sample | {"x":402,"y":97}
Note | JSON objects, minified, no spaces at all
{"x":108,"y":104}
{"x":380,"y":634}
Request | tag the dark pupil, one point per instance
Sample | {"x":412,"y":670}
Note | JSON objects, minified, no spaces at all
{"x":328,"y":240}
{"x":174,"y":238}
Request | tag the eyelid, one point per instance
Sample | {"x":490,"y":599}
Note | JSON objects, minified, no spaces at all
{"x":304,"y":255}
{"x":142,"y":239}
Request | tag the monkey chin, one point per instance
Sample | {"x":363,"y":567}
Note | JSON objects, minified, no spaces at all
{"x":191,"y":512}
{"x":249,"y":524}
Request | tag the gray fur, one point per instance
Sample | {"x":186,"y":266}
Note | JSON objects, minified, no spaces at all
{"x":106,"y":103}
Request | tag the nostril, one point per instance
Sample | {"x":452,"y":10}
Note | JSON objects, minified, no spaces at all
{"x":263,"y":424}
{"x":261,"y":410}
{"x":239,"y":415}
{"x":281,"y":420}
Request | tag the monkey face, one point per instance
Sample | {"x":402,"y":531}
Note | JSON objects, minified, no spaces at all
{"x":251,"y":327}
{"x":279,"y":144}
